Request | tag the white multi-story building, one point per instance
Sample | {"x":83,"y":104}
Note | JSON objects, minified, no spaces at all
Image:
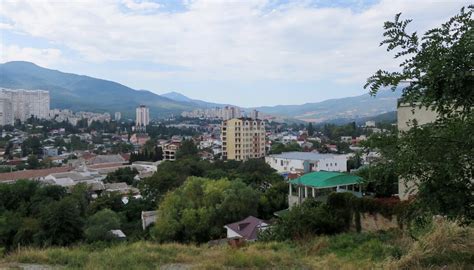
{"x":118,"y":116}
{"x":6,"y":112}
{"x":24,"y":104}
{"x":304,"y":162}
{"x":143,"y":116}
{"x":254,"y":114}
{"x":225,"y":113}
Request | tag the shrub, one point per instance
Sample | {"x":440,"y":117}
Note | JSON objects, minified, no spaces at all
{"x":99,"y":225}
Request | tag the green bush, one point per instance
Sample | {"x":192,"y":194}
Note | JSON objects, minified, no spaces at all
{"x":99,"y":225}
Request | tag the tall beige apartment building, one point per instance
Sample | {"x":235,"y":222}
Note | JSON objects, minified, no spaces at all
{"x":243,"y":139}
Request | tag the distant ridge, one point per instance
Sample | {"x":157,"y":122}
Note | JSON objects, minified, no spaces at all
{"x":79,"y":92}
{"x":84,"y":93}
{"x":342,"y":108}
{"x":200,"y":103}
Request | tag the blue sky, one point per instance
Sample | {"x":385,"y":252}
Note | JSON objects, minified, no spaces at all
{"x":248,"y":53}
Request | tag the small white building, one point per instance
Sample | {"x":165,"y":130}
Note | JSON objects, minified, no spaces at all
{"x":346,"y":139}
{"x":307,"y":162}
{"x":370,"y":124}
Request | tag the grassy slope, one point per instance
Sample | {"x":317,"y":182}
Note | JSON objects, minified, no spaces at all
{"x":447,"y":245}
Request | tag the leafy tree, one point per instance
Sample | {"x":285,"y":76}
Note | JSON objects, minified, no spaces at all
{"x":187,"y":149}
{"x":170,"y":175}
{"x":126,"y":175}
{"x":437,"y":65}
{"x":343,"y":147}
{"x":381,"y":178}
{"x":354,"y":162}
{"x":310,"y":129}
{"x":198,"y":210}
{"x":278,"y":148}
{"x":31,"y":145}
{"x":112,"y":201}
{"x":33,"y":162}
{"x":98,"y":226}
{"x":273,"y":199}
{"x":61,"y":223}
{"x":439,"y":69}
{"x":305,"y":220}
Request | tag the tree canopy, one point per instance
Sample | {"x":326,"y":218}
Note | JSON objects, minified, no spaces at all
{"x":437,"y":66}
{"x":439,"y":69}
{"x":198,"y":210}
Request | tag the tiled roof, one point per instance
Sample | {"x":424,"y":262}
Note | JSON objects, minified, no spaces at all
{"x":303,"y":156}
{"x":32,"y":174}
{"x":247,"y":228}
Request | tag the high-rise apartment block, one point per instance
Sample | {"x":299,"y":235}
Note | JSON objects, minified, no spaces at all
{"x":20,"y":104}
{"x":143,"y":116}
{"x":225,"y":113}
{"x":243,"y":138}
{"x":254,"y":114}
{"x":118,"y":116}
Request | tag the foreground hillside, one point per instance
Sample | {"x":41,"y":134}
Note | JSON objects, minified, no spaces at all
{"x":443,"y":246}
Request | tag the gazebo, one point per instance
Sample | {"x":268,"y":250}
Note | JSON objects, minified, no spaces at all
{"x":319,"y":184}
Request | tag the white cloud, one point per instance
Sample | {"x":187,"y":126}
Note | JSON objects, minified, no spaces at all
{"x":44,"y":57}
{"x":141,"y":5}
{"x":233,"y":40}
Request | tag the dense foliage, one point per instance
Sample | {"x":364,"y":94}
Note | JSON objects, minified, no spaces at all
{"x":125,"y":174}
{"x":198,"y":210}
{"x":340,"y":213}
{"x":437,"y":157}
{"x":41,"y":215}
{"x":438,"y":66}
{"x":255,"y":173}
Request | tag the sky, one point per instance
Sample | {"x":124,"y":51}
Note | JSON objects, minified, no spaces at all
{"x":242,"y":52}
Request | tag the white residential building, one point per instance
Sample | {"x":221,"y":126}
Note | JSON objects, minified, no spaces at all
{"x":305,"y":162}
{"x":118,"y":116}
{"x":142,"y":116}
{"x":225,"y":113}
{"x":6,"y":112}
{"x":23,"y":104}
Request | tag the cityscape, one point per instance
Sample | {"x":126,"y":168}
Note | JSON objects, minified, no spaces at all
{"x":242,"y":168}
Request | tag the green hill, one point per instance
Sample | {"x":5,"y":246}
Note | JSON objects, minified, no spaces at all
{"x":78,"y":92}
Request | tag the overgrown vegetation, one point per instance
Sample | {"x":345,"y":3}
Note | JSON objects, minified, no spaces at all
{"x":341,"y":213}
{"x":437,"y":157}
{"x":380,"y":250}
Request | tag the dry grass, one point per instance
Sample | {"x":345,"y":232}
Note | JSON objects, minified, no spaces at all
{"x":446,"y":246}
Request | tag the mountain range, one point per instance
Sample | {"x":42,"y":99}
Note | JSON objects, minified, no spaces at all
{"x":84,"y":93}
{"x":341,"y":108}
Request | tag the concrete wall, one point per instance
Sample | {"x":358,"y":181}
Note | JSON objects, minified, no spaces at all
{"x":405,"y":115}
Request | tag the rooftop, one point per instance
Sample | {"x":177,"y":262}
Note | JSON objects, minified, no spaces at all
{"x":247,"y":228}
{"x":323,"y":179}
{"x":31,"y":174}
{"x":303,"y":155}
